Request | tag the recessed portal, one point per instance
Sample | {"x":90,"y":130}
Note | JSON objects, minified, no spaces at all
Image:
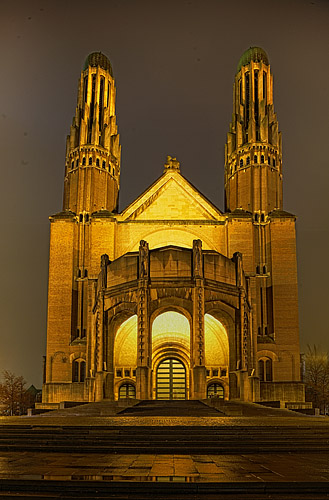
{"x":215,"y":391}
{"x":171,"y":379}
{"x":127,"y":391}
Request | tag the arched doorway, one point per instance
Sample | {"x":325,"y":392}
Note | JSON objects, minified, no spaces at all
{"x":127,"y":391}
{"x":215,"y":390}
{"x":171,"y":379}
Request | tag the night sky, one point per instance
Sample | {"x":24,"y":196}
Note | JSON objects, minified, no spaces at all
{"x":174,"y":64}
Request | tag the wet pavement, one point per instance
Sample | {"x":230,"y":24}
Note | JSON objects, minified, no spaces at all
{"x":97,"y":447}
{"x":176,"y":468}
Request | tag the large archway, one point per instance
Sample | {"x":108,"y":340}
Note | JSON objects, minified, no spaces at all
{"x":125,"y":357}
{"x":170,"y":356}
{"x":216,"y":354}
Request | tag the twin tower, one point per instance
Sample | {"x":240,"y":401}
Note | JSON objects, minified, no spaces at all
{"x":173,"y":298}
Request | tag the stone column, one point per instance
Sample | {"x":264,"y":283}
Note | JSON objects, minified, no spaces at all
{"x":143,"y":333}
{"x":99,"y":349}
{"x":198,"y":347}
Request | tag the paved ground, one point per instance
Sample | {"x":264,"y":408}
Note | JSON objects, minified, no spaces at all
{"x":182,"y":468}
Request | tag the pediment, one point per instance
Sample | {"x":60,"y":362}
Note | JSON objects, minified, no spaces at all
{"x":171,"y":197}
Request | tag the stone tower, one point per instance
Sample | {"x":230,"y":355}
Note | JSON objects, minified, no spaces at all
{"x":91,"y":186}
{"x":253,"y":156}
{"x":92,"y":167}
{"x":253,"y":187}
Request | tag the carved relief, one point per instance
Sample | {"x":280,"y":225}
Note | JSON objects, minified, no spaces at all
{"x":143,"y":259}
{"x":197,"y":258}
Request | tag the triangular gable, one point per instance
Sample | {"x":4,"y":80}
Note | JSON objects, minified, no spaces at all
{"x":171,"y":197}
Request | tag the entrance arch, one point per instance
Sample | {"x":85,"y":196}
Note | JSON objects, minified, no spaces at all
{"x":171,"y":379}
{"x":215,"y":390}
{"x":170,"y":355}
{"x":127,"y":391}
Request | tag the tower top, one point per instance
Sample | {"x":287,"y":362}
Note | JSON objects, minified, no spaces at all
{"x":256,"y":54}
{"x":98,"y":59}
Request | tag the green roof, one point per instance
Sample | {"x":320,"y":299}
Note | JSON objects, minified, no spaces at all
{"x":98,"y":59}
{"x":256,"y":54}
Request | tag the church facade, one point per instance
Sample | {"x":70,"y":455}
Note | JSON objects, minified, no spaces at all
{"x":173,"y":298}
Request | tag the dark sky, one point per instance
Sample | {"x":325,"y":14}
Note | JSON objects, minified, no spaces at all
{"x":174,"y":63}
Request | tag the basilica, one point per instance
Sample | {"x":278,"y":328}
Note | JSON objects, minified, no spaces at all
{"x":173,"y":298}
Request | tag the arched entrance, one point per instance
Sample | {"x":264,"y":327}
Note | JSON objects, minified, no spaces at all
{"x":215,"y":391}
{"x":127,"y":391}
{"x":170,"y":356}
{"x":171,"y":379}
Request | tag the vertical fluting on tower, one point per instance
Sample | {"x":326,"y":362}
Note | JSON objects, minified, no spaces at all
{"x":93,"y":151}
{"x":253,"y":152}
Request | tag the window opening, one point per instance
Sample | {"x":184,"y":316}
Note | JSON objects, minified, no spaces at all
{"x":264,"y":86}
{"x":256,"y":98}
{"x":101,"y":103}
{"x":92,"y":106}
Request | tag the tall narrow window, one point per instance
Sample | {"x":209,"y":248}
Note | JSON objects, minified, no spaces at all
{"x":82,"y":371}
{"x":268,"y":370}
{"x":240,"y":91}
{"x":92,"y":107}
{"x":85,"y":88}
{"x":248,"y":160}
{"x":262,"y":159}
{"x":108,"y":94}
{"x":101,"y":103}
{"x":241,"y":162}
{"x":265,"y":370}
{"x":75,"y":371}
{"x":78,"y":370}
{"x":247,"y":100}
{"x":255,"y":159}
{"x":256,"y":98}
{"x":264,"y":86}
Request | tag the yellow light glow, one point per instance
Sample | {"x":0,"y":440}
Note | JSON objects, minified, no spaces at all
{"x":125,"y":345}
{"x":171,"y":327}
{"x":216,"y":342}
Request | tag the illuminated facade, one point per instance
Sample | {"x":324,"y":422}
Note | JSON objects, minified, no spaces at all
{"x":172,"y":298}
